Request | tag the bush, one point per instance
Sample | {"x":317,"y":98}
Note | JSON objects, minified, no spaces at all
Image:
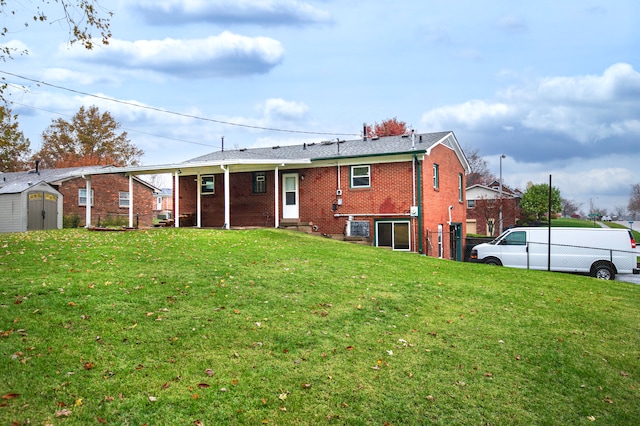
{"x":71,"y":221}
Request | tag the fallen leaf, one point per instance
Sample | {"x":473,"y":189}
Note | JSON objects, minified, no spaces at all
{"x":203,"y":385}
{"x":63,"y":413}
{"x":153,"y":399}
{"x":430,"y":397}
{"x":349,"y":348}
{"x":10,"y":395}
{"x":624,"y":374}
{"x":78,"y":402}
{"x":209,"y":372}
{"x":591,"y":418}
{"x":198,"y":423}
{"x":101,"y":420}
{"x":71,"y":304}
{"x":165,"y":385}
{"x":88,"y":365}
{"x":306,"y":385}
{"x":282,"y":396}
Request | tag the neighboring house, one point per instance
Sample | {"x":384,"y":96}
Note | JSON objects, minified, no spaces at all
{"x":109,"y":193}
{"x":29,"y":204}
{"x":401,"y":192}
{"x":483,"y":208}
{"x":163,"y":207}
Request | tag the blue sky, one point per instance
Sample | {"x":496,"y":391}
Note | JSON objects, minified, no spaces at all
{"x":554,"y":86}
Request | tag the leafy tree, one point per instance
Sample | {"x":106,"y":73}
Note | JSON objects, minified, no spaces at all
{"x":634,"y":200}
{"x":388,"y":127}
{"x":14,"y":147}
{"x":535,"y":200}
{"x":89,"y":139}
{"x":480,"y":173}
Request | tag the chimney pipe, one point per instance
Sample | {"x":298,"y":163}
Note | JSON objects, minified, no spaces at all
{"x":38,"y":166}
{"x":364,"y":131}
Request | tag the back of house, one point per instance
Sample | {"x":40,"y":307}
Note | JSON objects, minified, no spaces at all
{"x":601,"y":253}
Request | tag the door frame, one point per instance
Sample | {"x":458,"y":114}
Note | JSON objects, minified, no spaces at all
{"x":290,"y":211}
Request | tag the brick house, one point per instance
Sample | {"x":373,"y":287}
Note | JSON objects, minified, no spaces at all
{"x":483,"y":208}
{"x":400,"y":192}
{"x":109,"y":193}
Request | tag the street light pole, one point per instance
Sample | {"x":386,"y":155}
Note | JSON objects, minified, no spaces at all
{"x":500,"y":217}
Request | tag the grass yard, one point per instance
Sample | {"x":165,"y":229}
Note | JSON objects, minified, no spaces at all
{"x":207,"y":327}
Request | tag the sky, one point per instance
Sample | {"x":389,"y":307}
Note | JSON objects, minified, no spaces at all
{"x":554,"y":86}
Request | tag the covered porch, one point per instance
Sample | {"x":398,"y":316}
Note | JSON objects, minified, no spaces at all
{"x":283,"y":189}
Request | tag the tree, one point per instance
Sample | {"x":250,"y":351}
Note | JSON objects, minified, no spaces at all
{"x":535,"y":200}
{"x":89,"y":139}
{"x":569,"y":207}
{"x":479,"y":173}
{"x":634,"y":200}
{"x":14,"y":147}
{"x":86,"y":20}
{"x":388,"y":127}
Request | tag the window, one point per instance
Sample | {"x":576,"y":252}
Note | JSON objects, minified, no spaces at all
{"x":460,"y":189}
{"x":471,"y":204}
{"x":436,"y":177}
{"x":259,"y":182}
{"x":123,"y":199}
{"x":82,"y":197}
{"x":360,"y":176}
{"x":515,"y":239}
{"x":207,"y":184}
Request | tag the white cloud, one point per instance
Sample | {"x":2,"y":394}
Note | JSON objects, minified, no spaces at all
{"x":227,"y":54}
{"x":277,"y":108}
{"x":512,"y":24}
{"x":265,"y":12}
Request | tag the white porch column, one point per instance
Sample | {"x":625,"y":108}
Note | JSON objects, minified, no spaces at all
{"x":199,"y":202}
{"x":176,"y":200}
{"x":130,"y":201}
{"x":276,"y":180}
{"x":87,"y":218}
{"x":227,"y":195}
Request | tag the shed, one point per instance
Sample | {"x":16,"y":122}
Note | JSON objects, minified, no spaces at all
{"x":29,"y":206}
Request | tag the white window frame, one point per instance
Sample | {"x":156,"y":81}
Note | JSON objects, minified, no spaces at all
{"x":436,"y":176}
{"x":82,"y":191}
{"x":361,"y":176}
{"x":393,"y":223}
{"x":124,"y":200}
{"x":158,"y":203}
{"x":460,"y":188}
{"x":204,"y":186}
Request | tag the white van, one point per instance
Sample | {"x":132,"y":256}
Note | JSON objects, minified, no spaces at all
{"x":600,"y":252}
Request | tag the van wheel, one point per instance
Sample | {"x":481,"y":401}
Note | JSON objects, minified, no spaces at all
{"x":492,"y":261}
{"x":602,"y":271}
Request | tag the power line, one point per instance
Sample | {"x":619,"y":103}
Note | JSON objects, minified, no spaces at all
{"x":124,"y":128}
{"x":180,"y":114}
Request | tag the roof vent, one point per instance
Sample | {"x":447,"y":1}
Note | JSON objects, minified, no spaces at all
{"x":275,"y":147}
{"x":405,"y":135}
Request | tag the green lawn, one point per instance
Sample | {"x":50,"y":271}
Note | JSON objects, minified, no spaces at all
{"x":188,"y":326}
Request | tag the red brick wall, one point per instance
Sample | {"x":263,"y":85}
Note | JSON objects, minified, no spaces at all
{"x":106,"y":200}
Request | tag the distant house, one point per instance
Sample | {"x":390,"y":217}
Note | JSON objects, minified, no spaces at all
{"x":109,"y":196}
{"x":163,"y":207}
{"x":484,"y":208}
{"x":400,"y":192}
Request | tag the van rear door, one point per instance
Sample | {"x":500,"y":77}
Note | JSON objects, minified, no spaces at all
{"x":513,"y":249}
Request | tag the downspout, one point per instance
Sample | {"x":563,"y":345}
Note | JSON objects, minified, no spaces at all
{"x":130,"y":201}
{"x":227,"y":202}
{"x":419,"y":204}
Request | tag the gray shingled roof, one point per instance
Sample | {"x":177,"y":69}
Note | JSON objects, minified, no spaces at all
{"x":332,"y":149}
{"x":11,"y":182}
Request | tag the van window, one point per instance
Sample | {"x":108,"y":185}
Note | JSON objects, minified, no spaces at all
{"x":518,"y":238}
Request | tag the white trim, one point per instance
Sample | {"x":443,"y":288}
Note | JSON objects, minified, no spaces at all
{"x":176,"y":200}
{"x":130,"y":201}
{"x":276,"y":180}
{"x":87,"y":218}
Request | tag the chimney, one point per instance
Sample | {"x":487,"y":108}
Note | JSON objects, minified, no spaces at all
{"x":364,"y":131}
{"x":38,"y":166}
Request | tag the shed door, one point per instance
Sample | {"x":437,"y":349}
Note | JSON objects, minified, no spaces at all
{"x":42,"y":210}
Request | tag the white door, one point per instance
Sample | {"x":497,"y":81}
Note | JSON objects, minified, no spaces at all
{"x":290,"y":204}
